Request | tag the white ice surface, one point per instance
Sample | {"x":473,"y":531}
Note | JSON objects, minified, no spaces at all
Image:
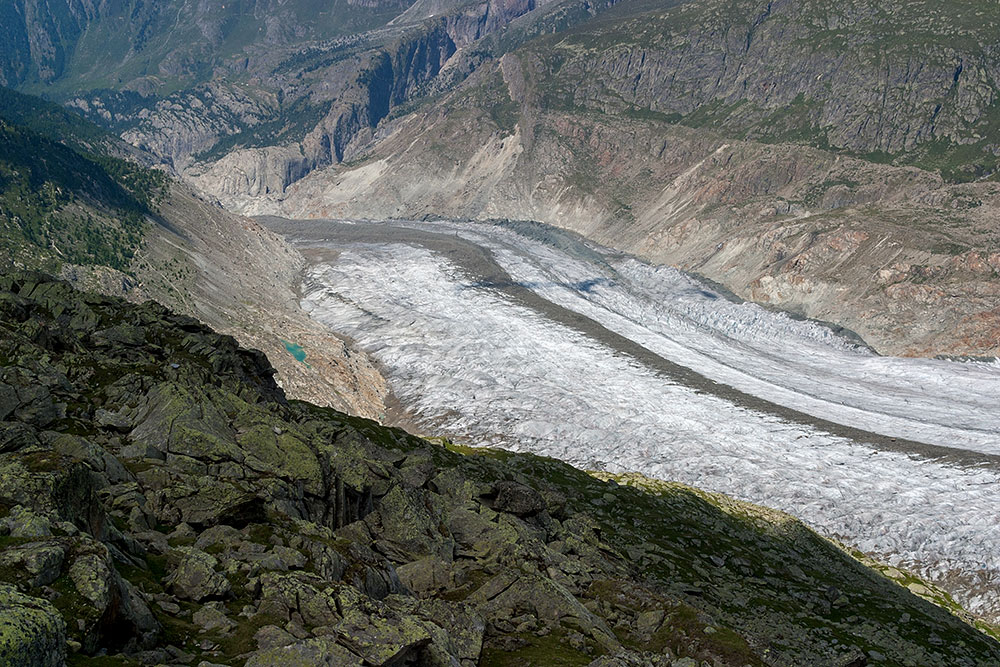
{"x":474,"y":363}
{"x":798,"y":364}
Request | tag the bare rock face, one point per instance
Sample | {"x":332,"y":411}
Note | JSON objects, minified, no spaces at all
{"x":195,"y":578}
{"x":184,"y":125}
{"x":792,"y":65}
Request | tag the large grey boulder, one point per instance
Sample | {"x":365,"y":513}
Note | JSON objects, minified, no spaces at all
{"x":195,"y":577}
{"x":517,"y":499}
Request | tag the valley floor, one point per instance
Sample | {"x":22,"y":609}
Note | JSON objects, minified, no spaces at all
{"x":521,"y":336}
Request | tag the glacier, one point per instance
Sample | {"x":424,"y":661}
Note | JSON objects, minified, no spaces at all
{"x":471,"y":360}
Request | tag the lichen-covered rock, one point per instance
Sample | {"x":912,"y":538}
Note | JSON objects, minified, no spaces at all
{"x":41,"y":561}
{"x":456,"y":628}
{"x":211,"y":617}
{"x":99,"y":459}
{"x":52,"y":488}
{"x":32,"y":632}
{"x":16,"y":436}
{"x":427,"y":575}
{"x":93,"y":579}
{"x":318,"y":652}
{"x":376,"y":633}
{"x":224,"y":536}
{"x":511,"y":594}
{"x":195,"y":577}
{"x":271,"y":636}
{"x":22,"y":522}
{"x":407,"y":526}
{"x":118,"y":614}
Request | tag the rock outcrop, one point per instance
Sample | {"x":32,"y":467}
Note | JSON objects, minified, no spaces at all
{"x":162,"y":502}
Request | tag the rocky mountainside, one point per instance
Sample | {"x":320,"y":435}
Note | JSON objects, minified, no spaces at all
{"x":806,"y":197}
{"x":74,"y":44}
{"x":277,"y":89}
{"x":831,"y":159}
{"x":76,"y":201}
{"x":162,"y":503}
{"x":911,"y":78}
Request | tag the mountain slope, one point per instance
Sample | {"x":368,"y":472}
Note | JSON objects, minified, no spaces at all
{"x":788,"y":197}
{"x":910,"y":78}
{"x":160,"y":496}
{"x":76,"y":201}
{"x":279,"y":105}
{"x":85,"y":44}
{"x":64,"y":203}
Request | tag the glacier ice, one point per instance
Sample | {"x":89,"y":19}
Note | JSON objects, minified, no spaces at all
{"x":479,"y":365}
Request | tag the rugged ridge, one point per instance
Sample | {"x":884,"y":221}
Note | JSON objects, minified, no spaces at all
{"x":162,"y":501}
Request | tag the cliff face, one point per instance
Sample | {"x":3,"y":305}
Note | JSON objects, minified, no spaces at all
{"x":887,"y":77}
{"x":161,"y":502}
{"x":38,"y":37}
{"x":84,"y":44}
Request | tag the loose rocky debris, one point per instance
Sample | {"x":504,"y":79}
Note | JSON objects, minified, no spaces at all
{"x":162,"y":503}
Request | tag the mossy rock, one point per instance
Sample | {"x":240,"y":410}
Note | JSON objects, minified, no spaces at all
{"x":32,"y":632}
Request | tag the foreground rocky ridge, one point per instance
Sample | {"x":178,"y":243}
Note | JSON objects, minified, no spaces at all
{"x":162,"y":500}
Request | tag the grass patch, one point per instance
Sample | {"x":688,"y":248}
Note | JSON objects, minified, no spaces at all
{"x":549,"y":651}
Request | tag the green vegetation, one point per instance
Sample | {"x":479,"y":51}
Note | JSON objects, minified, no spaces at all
{"x":61,"y":204}
{"x":51,"y":120}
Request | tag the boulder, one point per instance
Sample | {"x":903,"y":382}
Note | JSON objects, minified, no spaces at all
{"x":317,"y":652}
{"x":374,"y":631}
{"x":32,"y":632}
{"x":271,"y":636}
{"x":427,"y":575}
{"x":195,"y":577}
{"x":23,"y":522}
{"x":41,"y":561}
{"x":120,"y":617}
{"x":211,"y":618}
{"x":517,"y":499}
